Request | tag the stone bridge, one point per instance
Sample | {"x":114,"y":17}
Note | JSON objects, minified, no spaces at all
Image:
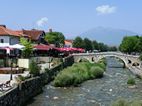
{"x":129,"y":60}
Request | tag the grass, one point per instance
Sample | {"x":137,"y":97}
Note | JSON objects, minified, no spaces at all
{"x":78,"y":73}
{"x":123,"y":102}
{"x":131,"y":81}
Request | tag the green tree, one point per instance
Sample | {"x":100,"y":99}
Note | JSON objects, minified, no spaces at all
{"x":102,"y":47}
{"x":78,"y":42}
{"x":128,"y":44}
{"x":87,"y":44}
{"x":95,"y":45}
{"x":28,"y":50}
{"x":56,"y":38}
{"x":112,"y":48}
{"x":138,"y":46}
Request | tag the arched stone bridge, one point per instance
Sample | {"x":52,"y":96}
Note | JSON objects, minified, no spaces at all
{"x":129,"y":60}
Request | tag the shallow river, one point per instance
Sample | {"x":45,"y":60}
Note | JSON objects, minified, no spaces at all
{"x":97,"y":92}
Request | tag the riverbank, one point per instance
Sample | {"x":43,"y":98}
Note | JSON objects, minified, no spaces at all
{"x":97,"y":92}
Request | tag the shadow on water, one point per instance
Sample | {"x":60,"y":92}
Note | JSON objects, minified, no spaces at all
{"x":97,"y":92}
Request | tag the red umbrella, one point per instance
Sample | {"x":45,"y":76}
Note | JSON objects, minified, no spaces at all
{"x":42,"y":47}
{"x":81,"y":50}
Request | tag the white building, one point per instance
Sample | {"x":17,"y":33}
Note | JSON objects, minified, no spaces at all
{"x":8,"y":37}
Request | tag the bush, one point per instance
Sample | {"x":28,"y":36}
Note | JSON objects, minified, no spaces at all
{"x":131,"y":81}
{"x":102,"y":65}
{"x":97,"y":72}
{"x":78,"y":73}
{"x":34,"y":68}
{"x":123,"y":102}
{"x":103,"y":61}
{"x":20,"y":78}
{"x":120,"y":102}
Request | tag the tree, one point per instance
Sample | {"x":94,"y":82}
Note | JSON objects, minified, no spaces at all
{"x":95,"y":45}
{"x":27,"y":51}
{"x":56,"y":38}
{"x":138,"y":46}
{"x":102,"y":47}
{"x":112,"y":48}
{"x":87,"y":44}
{"x":128,"y":44}
{"x":78,"y":42}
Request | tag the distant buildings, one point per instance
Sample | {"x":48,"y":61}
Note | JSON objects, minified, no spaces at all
{"x":68,"y":43}
{"x":10,"y":37}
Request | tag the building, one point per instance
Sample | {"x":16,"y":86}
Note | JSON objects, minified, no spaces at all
{"x":68,"y":43}
{"x":34,"y":35}
{"x":8,"y":36}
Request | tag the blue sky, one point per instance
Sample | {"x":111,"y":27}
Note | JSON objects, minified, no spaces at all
{"x":72,"y":17}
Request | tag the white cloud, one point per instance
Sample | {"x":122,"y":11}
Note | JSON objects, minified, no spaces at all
{"x":41,"y":22}
{"x":106,"y":9}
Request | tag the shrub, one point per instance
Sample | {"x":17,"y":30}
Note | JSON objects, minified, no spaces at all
{"x":34,"y":68}
{"x":103,"y":61}
{"x":78,"y":73}
{"x":97,"y":72}
{"x":120,"y":102}
{"x":131,"y":81}
{"x":136,"y":103}
{"x":123,"y":102}
{"x":102,"y":65}
{"x":20,"y":78}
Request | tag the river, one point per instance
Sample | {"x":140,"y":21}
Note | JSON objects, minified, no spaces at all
{"x":97,"y":92}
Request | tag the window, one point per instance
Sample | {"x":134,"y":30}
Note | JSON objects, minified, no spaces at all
{"x":1,"y":40}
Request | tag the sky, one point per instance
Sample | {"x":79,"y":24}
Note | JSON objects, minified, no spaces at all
{"x":72,"y":17}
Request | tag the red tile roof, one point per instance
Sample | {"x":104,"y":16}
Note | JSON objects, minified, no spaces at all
{"x":34,"y":34}
{"x":68,"y":41}
{"x":6,"y":31}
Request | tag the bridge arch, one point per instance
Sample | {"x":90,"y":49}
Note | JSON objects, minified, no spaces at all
{"x":83,"y":59}
{"x":125,"y":61}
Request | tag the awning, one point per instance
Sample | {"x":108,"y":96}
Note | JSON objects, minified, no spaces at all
{"x":42,"y":47}
{"x":17,"y":46}
{"x":8,"y":49}
{"x":67,"y":49}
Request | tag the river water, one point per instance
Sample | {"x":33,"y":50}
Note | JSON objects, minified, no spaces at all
{"x":97,"y":92}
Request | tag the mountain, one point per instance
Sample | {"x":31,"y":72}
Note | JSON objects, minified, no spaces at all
{"x":108,"y":36}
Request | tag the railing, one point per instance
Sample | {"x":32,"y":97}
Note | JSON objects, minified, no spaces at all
{"x":105,"y":53}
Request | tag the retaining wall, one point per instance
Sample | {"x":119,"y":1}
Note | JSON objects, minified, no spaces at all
{"x":22,"y":92}
{"x":26,"y":90}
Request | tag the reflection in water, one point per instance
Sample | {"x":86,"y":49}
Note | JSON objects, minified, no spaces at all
{"x":93,"y":92}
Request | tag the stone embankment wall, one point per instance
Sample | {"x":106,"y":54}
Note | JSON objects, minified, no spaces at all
{"x":26,"y":90}
{"x":21,"y":93}
{"x":49,"y":74}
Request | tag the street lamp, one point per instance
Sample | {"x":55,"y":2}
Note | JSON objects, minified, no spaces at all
{"x":11,"y":69}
